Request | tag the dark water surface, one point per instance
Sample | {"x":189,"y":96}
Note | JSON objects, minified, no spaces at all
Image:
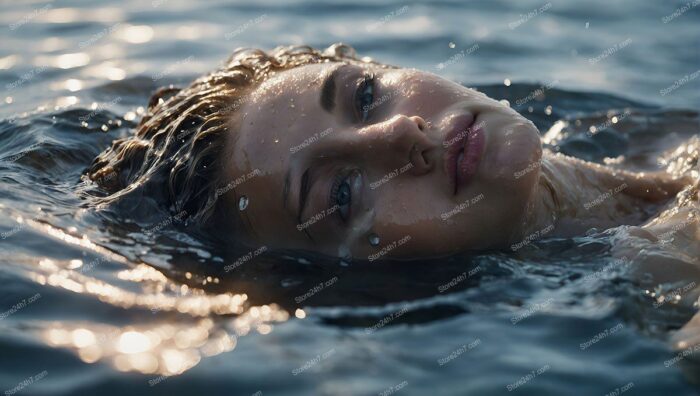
{"x":94,"y":304}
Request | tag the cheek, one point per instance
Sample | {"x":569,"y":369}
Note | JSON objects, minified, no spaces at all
{"x":418,"y":214}
{"x":436,"y":225}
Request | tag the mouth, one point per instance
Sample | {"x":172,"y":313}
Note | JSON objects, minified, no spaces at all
{"x":464,"y":146}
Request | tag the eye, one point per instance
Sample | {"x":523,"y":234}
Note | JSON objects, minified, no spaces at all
{"x":364,"y":98}
{"x":341,"y":197}
{"x":341,"y":193}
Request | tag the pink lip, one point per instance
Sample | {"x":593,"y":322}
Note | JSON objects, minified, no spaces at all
{"x":467,"y":137}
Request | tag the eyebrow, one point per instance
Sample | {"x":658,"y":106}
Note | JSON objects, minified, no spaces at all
{"x":328,"y":89}
{"x":307,"y":182}
{"x":305,"y":187}
{"x":303,"y":193}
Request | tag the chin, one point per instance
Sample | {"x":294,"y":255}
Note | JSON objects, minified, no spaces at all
{"x":510,"y":170}
{"x":513,"y":151}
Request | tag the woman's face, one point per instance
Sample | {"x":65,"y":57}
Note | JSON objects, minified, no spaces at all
{"x":370,"y":162}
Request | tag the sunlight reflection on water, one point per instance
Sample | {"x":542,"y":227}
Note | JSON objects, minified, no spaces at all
{"x":209,"y":324}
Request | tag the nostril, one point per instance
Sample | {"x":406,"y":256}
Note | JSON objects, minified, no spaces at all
{"x":420,"y":160}
{"x":420,"y":123}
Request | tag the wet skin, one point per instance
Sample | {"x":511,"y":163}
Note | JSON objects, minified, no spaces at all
{"x":329,"y":175}
{"x":345,"y":152}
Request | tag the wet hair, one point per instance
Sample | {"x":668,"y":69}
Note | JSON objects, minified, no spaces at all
{"x":174,"y":156}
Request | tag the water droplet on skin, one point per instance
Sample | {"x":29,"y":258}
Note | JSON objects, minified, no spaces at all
{"x":373,"y":239}
{"x":452,"y":45}
{"x":242,"y":203}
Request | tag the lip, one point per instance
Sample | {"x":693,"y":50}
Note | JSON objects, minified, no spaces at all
{"x":463,"y":138}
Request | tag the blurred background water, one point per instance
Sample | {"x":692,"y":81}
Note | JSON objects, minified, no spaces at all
{"x":99,"y":304}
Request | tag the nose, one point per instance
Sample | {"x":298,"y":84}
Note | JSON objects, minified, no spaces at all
{"x":398,"y":142}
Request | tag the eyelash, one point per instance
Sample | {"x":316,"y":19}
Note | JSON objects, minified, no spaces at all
{"x":362,"y":109}
{"x":340,"y":179}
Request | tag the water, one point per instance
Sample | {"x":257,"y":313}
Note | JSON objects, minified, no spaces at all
{"x":95,"y":303}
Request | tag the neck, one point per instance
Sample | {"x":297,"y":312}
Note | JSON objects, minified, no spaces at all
{"x":573,"y":196}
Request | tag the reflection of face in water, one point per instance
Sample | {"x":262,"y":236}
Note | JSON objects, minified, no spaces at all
{"x":371,"y":161}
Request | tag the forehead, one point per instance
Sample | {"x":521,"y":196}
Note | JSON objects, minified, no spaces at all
{"x":276,"y":105}
{"x":272,"y":114}
{"x":288,"y":83}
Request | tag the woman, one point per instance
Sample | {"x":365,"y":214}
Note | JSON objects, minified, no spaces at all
{"x":347,"y":157}
{"x":351,"y":158}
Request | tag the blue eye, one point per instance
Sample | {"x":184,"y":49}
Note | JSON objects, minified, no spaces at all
{"x":346,"y":184}
{"x":341,"y":196}
{"x":364,"y":98}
